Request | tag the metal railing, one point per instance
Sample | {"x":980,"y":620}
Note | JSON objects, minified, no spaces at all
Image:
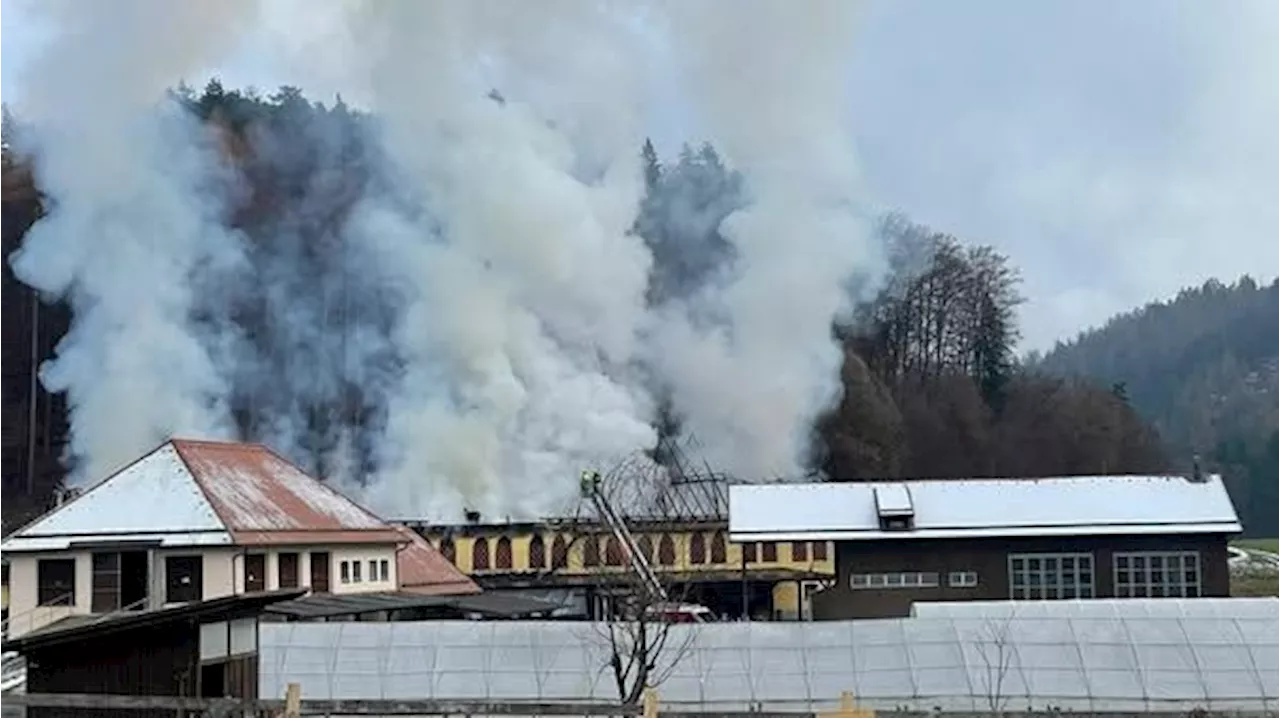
{"x":64,"y":601}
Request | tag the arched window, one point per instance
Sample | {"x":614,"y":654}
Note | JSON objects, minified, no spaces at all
{"x":559,"y":553}
{"x":666,"y":551}
{"x":613,"y":552}
{"x":819,"y":550}
{"x":537,"y":552}
{"x":799,"y":551}
{"x":591,"y":551}
{"x":769,"y":552}
{"x":697,"y":549}
{"x":719,"y":552}
{"x":646,"y":548}
{"x":480,"y":554}
{"x":502,"y":555}
{"x":449,"y":551}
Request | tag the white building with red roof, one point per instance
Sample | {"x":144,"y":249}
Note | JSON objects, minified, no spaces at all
{"x":196,"y":520}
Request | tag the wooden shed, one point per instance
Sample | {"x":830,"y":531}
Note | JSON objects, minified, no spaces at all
{"x":199,"y":649}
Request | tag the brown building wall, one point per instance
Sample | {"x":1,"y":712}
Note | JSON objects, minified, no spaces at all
{"x":989,"y":558}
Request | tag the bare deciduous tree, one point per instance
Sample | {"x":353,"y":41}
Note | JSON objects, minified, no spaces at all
{"x":644,"y":626}
{"x":995,"y":650}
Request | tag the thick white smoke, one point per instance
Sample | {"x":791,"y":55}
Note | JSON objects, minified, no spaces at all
{"x":524,"y":345}
{"x":128,"y":223}
{"x":752,"y":362}
{"x":524,"y":289}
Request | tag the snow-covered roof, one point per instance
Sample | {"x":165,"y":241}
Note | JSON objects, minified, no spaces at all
{"x":203,"y":493}
{"x":1068,"y":506}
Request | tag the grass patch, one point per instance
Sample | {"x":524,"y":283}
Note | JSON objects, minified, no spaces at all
{"x":1255,"y":585}
{"x":1268,"y":544}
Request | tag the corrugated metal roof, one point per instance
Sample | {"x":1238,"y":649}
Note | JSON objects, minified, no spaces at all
{"x":257,"y":494}
{"x":1091,"y":505}
{"x":77,"y":628}
{"x":422,"y":570}
{"x":202,"y":493}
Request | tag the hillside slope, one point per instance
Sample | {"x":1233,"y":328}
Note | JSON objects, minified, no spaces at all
{"x":1202,"y":367}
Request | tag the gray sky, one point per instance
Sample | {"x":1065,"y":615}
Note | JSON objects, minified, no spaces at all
{"x":1117,"y":151}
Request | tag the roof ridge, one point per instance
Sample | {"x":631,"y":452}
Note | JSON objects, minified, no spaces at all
{"x":195,"y":479}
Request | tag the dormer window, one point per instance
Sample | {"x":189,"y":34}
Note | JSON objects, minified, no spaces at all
{"x":894,"y":507}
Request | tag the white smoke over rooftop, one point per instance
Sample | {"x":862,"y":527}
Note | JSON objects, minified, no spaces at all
{"x":129,"y":221}
{"x":525,"y":345}
{"x":770,"y":82}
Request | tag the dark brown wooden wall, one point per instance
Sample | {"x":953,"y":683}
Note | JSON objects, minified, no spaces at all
{"x":158,"y":662}
{"x":989,"y":557}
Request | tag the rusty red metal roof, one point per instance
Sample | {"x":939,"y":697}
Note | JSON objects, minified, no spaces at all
{"x":262,"y":498}
{"x":423,"y":570}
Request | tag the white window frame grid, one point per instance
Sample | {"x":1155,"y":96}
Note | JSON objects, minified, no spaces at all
{"x":962,"y":579}
{"x":893,"y":580}
{"x":1050,"y":571}
{"x":1153,"y":580}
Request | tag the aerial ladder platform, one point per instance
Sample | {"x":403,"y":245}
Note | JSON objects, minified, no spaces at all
{"x":634,"y":557}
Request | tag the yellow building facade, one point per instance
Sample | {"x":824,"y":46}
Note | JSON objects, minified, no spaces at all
{"x":695,"y":555}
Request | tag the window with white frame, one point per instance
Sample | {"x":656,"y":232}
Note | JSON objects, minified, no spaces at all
{"x":1157,"y":574}
{"x":344,"y":571}
{"x":898,"y":579}
{"x":384,"y":570}
{"x":373,"y":570}
{"x":355,"y":572}
{"x":962,"y":579}
{"x":1050,"y":575}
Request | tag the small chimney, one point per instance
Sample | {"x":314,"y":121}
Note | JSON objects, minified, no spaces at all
{"x":62,"y":496}
{"x":1196,"y":475}
{"x":473,"y":516}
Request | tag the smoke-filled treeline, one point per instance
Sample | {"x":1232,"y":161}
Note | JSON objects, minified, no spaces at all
{"x":312,"y":351}
{"x":932,"y":388}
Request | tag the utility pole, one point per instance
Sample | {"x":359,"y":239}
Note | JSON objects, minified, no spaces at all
{"x":33,"y":392}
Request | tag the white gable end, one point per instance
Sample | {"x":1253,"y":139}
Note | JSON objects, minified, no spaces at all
{"x":154,"y":499}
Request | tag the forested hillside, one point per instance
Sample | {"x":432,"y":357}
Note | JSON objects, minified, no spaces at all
{"x":931,"y":387}
{"x":1202,"y":368}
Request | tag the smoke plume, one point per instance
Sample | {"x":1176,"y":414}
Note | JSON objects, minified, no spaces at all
{"x":500,"y":329}
{"x":751,"y":360}
{"x":128,"y":224}
{"x":522,"y":289}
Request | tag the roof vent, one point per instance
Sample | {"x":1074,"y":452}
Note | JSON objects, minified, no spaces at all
{"x":894,"y":507}
{"x":473,"y":516}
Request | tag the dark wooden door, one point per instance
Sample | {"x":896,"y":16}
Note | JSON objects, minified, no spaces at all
{"x":288,"y":570}
{"x":255,"y":572}
{"x":319,"y":572}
